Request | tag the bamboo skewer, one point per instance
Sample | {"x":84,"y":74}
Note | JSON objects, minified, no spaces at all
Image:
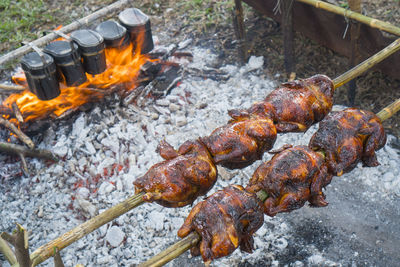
{"x":193,"y":238}
{"x":46,"y":251}
{"x":66,"y":29}
{"x":367,"y":64}
{"x":374,"y":23}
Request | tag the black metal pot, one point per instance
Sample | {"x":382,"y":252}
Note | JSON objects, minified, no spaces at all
{"x":68,"y":61}
{"x":136,"y":22}
{"x":91,"y":47}
{"x":113,"y":33}
{"x":41,"y":75}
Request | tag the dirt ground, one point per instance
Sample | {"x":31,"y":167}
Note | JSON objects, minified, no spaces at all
{"x":208,"y":23}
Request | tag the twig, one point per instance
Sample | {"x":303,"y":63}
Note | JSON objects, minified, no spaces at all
{"x":7,"y":252}
{"x":24,"y":165}
{"x":47,"y":250}
{"x":23,"y":137}
{"x":57,"y":259}
{"x":17,"y":112}
{"x":19,"y":240}
{"x":36,"y":153}
{"x":367,"y":64}
{"x":9,"y":89}
{"x":374,"y":23}
{"x":66,"y":29}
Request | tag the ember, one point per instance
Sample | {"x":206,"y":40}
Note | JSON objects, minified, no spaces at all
{"x":123,"y":69}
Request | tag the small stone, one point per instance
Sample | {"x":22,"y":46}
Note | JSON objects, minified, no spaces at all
{"x":201,"y":105}
{"x":174,"y":107}
{"x":180,"y":121}
{"x":90,"y":147}
{"x":115,"y":236}
{"x":40,"y":212}
{"x":154,"y":116}
{"x":162,"y":102}
{"x":105,"y":188}
{"x":156,"y":220}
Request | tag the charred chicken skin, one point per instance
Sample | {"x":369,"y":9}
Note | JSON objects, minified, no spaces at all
{"x":183,"y":176}
{"x":292,"y":177}
{"x":225,"y":220}
{"x":296,"y":105}
{"x":241,"y":142}
{"x":348,"y":136}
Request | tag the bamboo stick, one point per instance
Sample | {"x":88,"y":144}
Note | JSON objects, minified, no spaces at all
{"x":367,"y":64}
{"x":36,"y":153}
{"x":66,"y":29}
{"x":374,"y":23}
{"x":46,"y":251}
{"x":389,"y":111}
{"x":193,"y":238}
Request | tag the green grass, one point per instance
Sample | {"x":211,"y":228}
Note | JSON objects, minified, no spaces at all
{"x":20,"y":20}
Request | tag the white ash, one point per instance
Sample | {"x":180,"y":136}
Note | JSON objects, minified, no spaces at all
{"x":107,"y":148}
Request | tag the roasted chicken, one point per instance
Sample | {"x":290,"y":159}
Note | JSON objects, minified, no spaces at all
{"x":294,"y":106}
{"x":292,"y":177}
{"x":241,"y":142}
{"x":225,"y":220}
{"x":183,"y":176}
{"x":348,"y":136}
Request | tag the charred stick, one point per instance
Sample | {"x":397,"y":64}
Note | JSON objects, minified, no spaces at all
{"x":17,"y":112}
{"x":46,"y":251}
{"x":36,"y":153}
{"x":23,"y":137}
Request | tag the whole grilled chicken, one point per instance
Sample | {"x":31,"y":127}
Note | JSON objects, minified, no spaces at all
{"x":241,"y":142}
{"x":183,"y":176}
{"x":292,"y":177}
{"x":348,"y":136}
{"x":296,"y":105}
{"x":225,"y":220}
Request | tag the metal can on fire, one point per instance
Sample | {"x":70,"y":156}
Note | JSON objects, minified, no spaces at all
{"x":113,"y":33}
{"x":139,"y":28}
{"x":91,"y":47}
{"x":68,"y":62}
{"x":40,"y":72}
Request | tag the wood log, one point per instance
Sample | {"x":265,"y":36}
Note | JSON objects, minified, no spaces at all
{"x":86,"y":21}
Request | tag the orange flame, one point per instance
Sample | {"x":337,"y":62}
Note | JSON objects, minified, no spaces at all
{"x":123,"y":67}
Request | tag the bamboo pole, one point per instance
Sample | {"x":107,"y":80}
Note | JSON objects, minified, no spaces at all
{"x":374,"y":23}
{"x":367,"y":64}
{"x":66,"y":29}
{"x":46,"y":251}
{"x":193,"y":238}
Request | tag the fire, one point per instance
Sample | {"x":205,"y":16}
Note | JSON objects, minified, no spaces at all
{"x":123,"y":68}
